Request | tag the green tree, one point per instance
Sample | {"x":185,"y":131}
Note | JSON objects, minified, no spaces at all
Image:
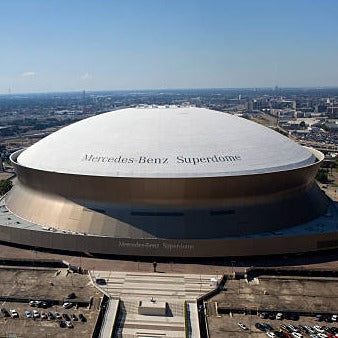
{"x":302,"y":125}
{"x":322,"y":176}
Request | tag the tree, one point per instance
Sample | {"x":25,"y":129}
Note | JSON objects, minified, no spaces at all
{"x":302,"y":125}
{"x":5,"y":186}
{"x":322,"y":176}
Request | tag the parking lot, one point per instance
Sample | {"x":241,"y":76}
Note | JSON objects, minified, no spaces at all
{"x":53,"y":285}
{"x":29,"y":327}
{"x":305,"y":296}
{"x":226,"y":326}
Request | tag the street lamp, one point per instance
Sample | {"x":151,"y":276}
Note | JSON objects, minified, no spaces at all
{"x":232,"y":267}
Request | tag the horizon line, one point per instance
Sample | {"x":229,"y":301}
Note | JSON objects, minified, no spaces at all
{"x":168,"y":89}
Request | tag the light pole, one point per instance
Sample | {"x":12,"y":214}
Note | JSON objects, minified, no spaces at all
{"x":232,"y":267}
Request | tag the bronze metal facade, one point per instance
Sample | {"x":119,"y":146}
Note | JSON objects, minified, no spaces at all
{"x":167,"y":216}
{"x":174,"y":248}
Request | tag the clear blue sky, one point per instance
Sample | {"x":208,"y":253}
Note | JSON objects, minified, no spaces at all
{"x":64,"y":45}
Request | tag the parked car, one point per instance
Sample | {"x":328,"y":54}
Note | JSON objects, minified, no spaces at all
{"x":296,"y":335}
{"x":260,"y":327}
{"x":333,"y":330}
{"x":66,"y":317}
{"x":272,"y":316}
{"x":67,"y":305}
{"x":279,"y":316}
{"x":263,"y":315}
{"x":310,"y":329}
{"x":37,"y":303}
{"x":33,"y":303}
{"x":4,"y":312}
{"x":303,"y":329}
{"x":43,"y":315}
{"x":62,"y":323}
{"x":319,"y":318}
{"x":242,"y":326}
{"x":73,"y":317}
{"x":69,"y":325}
{"x":13,"y":313}
{"x":82,"y":318}
{"x":71,"y":296}
{"x":292,"y":328}
{"x":50,"y":316}
{"x":322,"y":335}
{"x":270,"y":334}
{"x":28,"y":314}
{"x":36,"y":314}
{"x":325,"y":328}
{"x":327,"y":319}
{"x":283,"y":327}
{"x":57,"y":315}
{"x":267,"y":327}
{"x":318,"y":329}
{"x":101,"y":281}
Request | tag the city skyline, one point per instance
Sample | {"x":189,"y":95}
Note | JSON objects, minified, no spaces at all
{"x":60,"y":46}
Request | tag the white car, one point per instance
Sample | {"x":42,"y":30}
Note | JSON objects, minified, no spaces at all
{"x":69,"y":325}
{"x":36,"y":314}
{"x":13,"y":313}
{"x":318,"y":329}
{"x":242,"y":326}
{"x":292,"y":328}
{"x":322,"y":335}
{"x":28,"y":314}
{"x":35,"y":303}
{"x":334,"y":318}
{"x":67,"y":305}
{"x":296,"y":335}
{"x":270,"y":334}
{"x":310,"y":329}
{"x":279,"y":316}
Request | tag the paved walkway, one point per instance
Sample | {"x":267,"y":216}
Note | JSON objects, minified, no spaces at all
{"x":193,"y":316}
{"x":132,"y":287}
{"x":109,"y":318}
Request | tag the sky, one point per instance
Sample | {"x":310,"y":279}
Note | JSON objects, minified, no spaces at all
{"x":63,"y":45}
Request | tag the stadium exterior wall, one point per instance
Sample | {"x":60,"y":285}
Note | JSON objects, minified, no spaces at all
{"x":202,"y":208}
{"x":168,"y":248}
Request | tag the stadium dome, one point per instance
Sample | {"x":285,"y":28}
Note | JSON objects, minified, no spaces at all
{"x":158,"y":181}
{"x":167,"y":142}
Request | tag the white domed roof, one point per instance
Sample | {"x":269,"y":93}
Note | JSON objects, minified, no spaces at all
{"x":165,"y":142}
